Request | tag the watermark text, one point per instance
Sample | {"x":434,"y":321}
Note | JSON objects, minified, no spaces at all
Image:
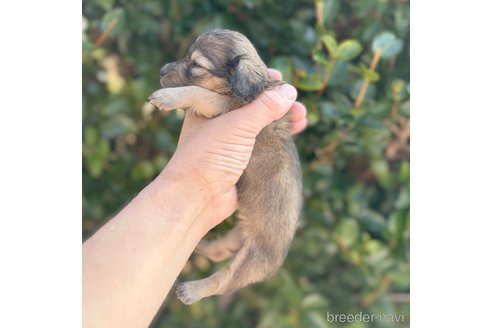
{"x":365,"y":317}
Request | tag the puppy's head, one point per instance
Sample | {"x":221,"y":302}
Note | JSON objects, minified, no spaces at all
{"x":222,"y":61}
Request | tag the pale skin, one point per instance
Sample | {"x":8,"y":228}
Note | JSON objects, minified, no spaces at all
{"x":131,"y":263}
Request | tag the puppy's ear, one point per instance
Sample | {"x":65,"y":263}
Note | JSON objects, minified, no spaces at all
{"x":247,"y":79}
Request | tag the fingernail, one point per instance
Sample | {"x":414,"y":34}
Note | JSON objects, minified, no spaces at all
{"x":288,"y":91}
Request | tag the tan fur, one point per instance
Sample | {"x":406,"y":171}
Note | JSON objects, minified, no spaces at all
{"x":222,"y":72}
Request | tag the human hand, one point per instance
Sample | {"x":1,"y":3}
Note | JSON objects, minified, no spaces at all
{"x":212,"y":154}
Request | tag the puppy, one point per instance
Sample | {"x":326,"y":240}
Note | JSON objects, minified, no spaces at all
{"x":221,"y":72}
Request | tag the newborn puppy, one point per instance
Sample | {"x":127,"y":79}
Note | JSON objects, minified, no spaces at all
{"x":221,"y":72}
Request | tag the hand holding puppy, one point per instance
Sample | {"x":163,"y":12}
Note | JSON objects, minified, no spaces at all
{"x":217,"y":151}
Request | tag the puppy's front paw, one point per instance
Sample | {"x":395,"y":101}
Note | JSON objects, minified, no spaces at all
{"x":188,"y":292}
{"x":164,"y":99}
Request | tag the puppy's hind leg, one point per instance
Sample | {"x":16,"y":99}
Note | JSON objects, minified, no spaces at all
{"x":222,"y":248}
{"x":250,"y":265}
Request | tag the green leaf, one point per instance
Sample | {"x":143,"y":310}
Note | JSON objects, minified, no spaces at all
{"x":315,"y":320}
{"x":366,"y":122}
{"x":116,"y":106}
{"x":153,"y":7}
{"x":320,"y":57}
{"x":159,"y":162}
{"x":368,"y":74}
{"x":331,"y":44}
{"x":342,"y":102}
{"x":372,"y":221}
{"x":347,"y":230}
{"x":96,"y":166}
{"x":87,"y":46}
{"x":328,"y":110}
{"x":330,"y":10}
{"x":339,"y":73}
{"x":310,"y":82}
{"x":403,"y":200}
{"x":377,"y":253}
{"x":397,"y":222}
{"x":380,"y":168}
{"x":119,"y":125}
{"x":356,"y":113}
{"x":404,"y":173}
{"x":370,"y":92}
{"x":270,"y":319}
{"x":143,"y":170}
{"x":398,"y":90}
{"x":314,"y":301}
{"x":165,"y":141}
{"x":389,"y":44}
{"x":371,"y":76}
{"x":105,"y":4}
{"x":313,"y":115}
{"x":95,"y":154}
{"x":401,"y":277}
{"x":349,"y":49}
{"x":405,"y":108}
{"x":355,"y":324}
{"x":113,"y":19}
{"x":91,"y":136}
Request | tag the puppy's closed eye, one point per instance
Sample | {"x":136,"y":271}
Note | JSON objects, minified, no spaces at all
{"x":194,"y":64}
{"x":196,"y":70}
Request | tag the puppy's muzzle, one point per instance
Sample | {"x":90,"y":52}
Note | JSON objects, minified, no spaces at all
{"x":167,"y":68}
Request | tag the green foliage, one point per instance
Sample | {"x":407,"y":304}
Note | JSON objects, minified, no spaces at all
{"x":348,"y":50}
{"x":351,"y":252}
{"x":386,"y":41}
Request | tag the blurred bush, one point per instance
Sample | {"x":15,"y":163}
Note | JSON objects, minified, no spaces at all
{"x":350,"y":62}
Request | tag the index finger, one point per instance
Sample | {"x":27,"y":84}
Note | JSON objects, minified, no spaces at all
{"x":275,"y":74}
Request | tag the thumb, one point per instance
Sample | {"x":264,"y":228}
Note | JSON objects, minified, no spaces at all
{"x":271,"y":105}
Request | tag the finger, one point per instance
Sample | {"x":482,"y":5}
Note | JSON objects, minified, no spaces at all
{"x":275,"y":74}
{"x":298,"y":112}
{"x":298,"y":127}
{"x":298,"y":117}
{"x":271,"y":105}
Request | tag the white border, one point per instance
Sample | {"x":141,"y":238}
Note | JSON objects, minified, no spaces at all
{"x":450,"y":163}
{"x":40,"y":143}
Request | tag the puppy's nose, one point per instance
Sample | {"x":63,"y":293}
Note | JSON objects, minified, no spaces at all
{"x":166,"y":68}
{"x":163,"y":71}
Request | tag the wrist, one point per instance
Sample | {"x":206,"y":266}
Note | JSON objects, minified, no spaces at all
{"x":175,"y":196}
